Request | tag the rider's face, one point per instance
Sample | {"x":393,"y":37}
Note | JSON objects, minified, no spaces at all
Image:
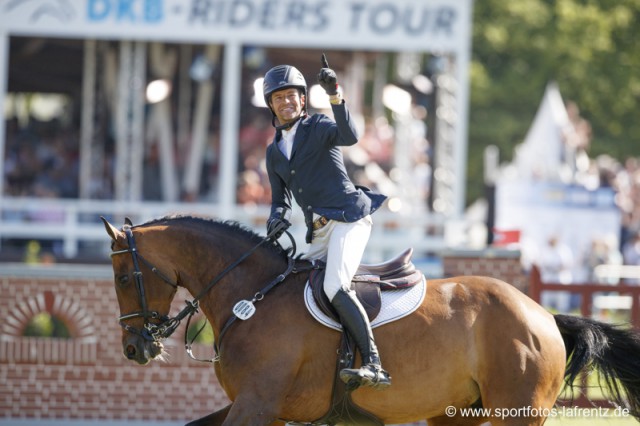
{"x":287,"y":104}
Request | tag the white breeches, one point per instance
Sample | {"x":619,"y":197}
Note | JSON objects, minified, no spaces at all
{"x":341,"y":246}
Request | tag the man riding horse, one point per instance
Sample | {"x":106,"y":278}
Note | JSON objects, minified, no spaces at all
{"x":304,"y":160}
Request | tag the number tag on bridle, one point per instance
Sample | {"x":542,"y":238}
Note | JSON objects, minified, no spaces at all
{"x":244,"y":309}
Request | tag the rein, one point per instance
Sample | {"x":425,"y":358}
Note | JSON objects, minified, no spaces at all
{"x":156,"y":332}
{"x":256,"y":298}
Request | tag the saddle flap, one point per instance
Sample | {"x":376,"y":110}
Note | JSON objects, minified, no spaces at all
{"x":368,"y":293}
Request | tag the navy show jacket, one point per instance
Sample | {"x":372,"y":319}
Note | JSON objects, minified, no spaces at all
{"x":315,"y":174}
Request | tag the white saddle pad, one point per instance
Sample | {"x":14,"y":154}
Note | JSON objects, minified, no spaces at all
{"x":396,"y":304}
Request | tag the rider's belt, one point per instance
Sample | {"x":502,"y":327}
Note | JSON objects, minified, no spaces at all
{"x":320,"y":223}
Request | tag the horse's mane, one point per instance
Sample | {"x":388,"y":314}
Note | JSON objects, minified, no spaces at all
{"x":230,"y":226}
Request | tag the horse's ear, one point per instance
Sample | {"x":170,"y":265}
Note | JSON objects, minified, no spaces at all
{"x":113,"y":232}
{"x":127,"y":221}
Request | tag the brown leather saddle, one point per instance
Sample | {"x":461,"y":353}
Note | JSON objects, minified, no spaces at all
{"x":369,"y":281}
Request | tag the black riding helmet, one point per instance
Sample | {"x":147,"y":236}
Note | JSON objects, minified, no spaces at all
{"x":283,"y":77}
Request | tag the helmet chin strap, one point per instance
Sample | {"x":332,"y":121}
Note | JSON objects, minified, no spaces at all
{"x":288,"y":125}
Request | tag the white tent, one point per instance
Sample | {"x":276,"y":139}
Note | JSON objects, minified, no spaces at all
{"x":540,"y":156}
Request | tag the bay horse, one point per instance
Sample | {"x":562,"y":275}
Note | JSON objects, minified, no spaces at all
{"x":473,"y":342}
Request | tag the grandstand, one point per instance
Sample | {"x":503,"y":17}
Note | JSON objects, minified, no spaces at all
{"x":86,"y":134}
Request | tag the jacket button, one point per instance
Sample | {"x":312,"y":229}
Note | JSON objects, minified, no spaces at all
{"x":293,"y":172}
{"x":300,"y":191}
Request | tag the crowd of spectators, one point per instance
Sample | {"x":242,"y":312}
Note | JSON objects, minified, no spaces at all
{"x":624,"y":179}
{"x":42,"y":160}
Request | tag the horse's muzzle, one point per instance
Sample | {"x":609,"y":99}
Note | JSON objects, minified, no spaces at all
{"x":140,"y":350}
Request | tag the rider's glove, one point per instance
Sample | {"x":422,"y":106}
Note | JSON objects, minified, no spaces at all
{"x":328,"y":80}
{"x":277,"y":226}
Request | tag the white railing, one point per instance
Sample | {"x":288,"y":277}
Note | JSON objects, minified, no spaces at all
{"x":78,"y":221}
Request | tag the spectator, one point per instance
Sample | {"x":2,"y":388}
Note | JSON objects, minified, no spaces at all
{"x":603,"y":252}
{"x":556,"y":262}
{"x":250,"y":190}
{"x":631,"y":255}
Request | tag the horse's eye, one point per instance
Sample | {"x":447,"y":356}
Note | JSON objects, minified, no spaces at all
{"x":123,"y":280}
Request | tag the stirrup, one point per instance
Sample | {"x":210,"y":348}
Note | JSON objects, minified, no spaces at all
{"x":371,"y":375}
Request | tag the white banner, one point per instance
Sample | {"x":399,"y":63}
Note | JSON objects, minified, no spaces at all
{"x":577,"y":217}
{"x":423,"y":25}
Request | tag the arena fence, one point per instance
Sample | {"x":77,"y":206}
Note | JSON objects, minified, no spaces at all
{"x":615,"y":303}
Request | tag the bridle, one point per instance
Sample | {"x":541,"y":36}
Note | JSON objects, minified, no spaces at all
{"x":158,"y":331}
{"x":153,"y":332}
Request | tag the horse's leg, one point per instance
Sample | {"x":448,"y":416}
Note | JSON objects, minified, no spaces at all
{"x":213,"y":419}
{"x":218,"y":418}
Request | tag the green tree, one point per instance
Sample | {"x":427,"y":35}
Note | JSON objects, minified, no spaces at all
{"x":587,"y":46}
{"x":200,"y":332}
{"x":46,"y":325}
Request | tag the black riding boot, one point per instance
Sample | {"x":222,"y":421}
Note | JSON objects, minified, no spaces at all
{"x":354,"y":319}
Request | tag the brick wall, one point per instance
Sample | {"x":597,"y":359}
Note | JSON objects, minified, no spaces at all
{"x":501,"y":264}
{"x":87,"y":377}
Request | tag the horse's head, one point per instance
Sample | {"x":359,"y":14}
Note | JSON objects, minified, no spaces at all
{"x":144,"y":293}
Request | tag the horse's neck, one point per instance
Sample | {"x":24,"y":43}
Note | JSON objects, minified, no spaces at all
{"x":219,"y":293}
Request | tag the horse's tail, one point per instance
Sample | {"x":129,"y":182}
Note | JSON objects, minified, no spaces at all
{"x":609,"y":349}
